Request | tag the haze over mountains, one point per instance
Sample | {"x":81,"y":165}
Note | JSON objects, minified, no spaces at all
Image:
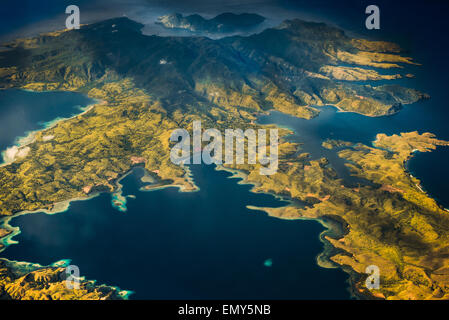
{"x":151,"y":85}
{"x":223,"y":23}
{"x":281,"y":65}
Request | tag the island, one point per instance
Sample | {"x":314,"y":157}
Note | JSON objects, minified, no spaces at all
{"x":151,"y":85}
{"x":223,"y":23}
{"x":22,"y":281}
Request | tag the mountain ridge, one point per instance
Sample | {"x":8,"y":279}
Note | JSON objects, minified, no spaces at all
{"x":151,"y":85}
{"x":222,"y":23}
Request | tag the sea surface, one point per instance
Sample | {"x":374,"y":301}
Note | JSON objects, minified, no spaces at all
{"x":22,"y":112}
{"x":168,"y":244}
{"x":420,"y":28}
{"x":206,"y":244}
{"x":178,"y":245}
{"x":431,"y":168}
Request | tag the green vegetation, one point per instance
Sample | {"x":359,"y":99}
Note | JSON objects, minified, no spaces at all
{"x":392,"y":224}
{"x":151,"y":85}
{"x":355,"y":74}
{"x":30,"y":282}
{"x":331,"y":144}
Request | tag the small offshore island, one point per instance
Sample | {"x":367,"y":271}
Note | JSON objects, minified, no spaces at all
{"x":227,"y":83}
{"x":223,"y":23}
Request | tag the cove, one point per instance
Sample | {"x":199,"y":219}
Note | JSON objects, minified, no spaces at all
{"x":431,"y":168}
{"x":178,"y":245}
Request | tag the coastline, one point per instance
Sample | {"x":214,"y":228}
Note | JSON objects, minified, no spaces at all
{"x":58,"y":207}
{"x":63,"y":206}
{"x":22,"y":268}
{"x":322,"y":259}
{"x":29,"y":136}
{"x":332,"y":228}
{"x":27,"y":267}
{"x":419,"y":185}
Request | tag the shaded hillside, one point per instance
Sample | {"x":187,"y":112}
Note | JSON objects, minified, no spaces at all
{"x":151,"y":85}
{"x":279,"y":68}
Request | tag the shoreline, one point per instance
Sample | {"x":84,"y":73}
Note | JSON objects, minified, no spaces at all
{"x":63,"y":206}
{"x":29,"y":136}
{"x":332,"y":228}
{"x":322,"y":259}
{"x":23,"y":268}
{"x":335,"y":230}
{"x":410,"y":172}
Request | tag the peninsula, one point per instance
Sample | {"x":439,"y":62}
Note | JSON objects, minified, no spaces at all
{"x":226,"y":83}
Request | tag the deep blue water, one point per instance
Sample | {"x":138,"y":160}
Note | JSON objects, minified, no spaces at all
{"x":206,"y":244}
{"x":421,"y":28}
{"x":23,"y":111}
{"x":15,"y":15}
{"x":431,"y":168}
{"x":172,"y":245}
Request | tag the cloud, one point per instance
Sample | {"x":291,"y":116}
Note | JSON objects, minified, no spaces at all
{"x":31,"y":19}
{"x":14,"y":153}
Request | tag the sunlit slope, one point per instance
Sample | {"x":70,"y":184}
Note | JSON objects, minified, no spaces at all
{"x":152,"y":85}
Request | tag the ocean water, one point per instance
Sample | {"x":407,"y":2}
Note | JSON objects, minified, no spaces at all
{"x":420,"y":28}
{"x":24,"y":111}
{"x":431,"y":167}
{"x":207,"y":244}
{"x":176,"y":245}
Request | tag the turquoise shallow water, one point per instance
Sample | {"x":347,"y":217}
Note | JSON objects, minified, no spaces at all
{"x":169,"y":245}
{"x":206,"y":244}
